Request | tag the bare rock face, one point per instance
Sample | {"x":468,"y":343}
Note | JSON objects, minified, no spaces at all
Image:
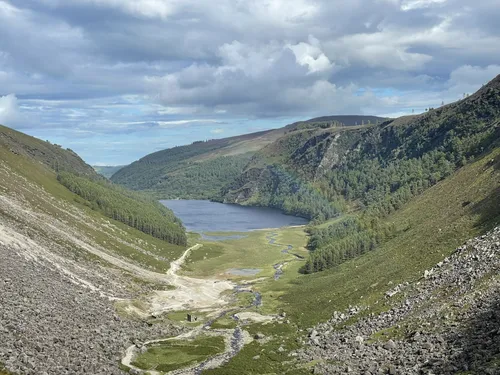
{"x":448,"y":322}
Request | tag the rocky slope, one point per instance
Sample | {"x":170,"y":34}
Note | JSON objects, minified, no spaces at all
{"x":63,"y":269}
{"x":51,"y":324}
{"x":446,"y":323}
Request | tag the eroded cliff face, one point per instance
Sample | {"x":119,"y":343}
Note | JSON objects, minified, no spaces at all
{"x":305,"y":157}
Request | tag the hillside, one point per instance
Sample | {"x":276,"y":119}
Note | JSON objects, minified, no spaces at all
{"x":202,"y":169}
{"x":58,"y":250}
{"x":419,"y":303}
{"x":198,"y":170}
{"x":51,"y":155}
{"x":336,"y":121}
{"x":371,"y":170}
{"x":130,"y":208}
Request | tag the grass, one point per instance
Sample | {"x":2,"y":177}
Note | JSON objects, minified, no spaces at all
{"x":440,"y":220}
{"x":252,"y":251}
{"x":172,"y":355}
{"x":116,"y":237}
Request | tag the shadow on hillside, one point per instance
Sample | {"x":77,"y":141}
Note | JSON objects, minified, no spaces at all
{"x":477,"y":345}
{"x":488,"y":210}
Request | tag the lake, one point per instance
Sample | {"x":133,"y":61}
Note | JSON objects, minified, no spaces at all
{"x":205,"y":216}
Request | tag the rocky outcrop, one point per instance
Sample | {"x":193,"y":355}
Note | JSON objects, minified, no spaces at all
{"x":447,"y":322}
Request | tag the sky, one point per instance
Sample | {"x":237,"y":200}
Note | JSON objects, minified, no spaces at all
{"x":115,"y":80}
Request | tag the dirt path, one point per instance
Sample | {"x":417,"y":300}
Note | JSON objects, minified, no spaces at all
{"x":190,"y":293}
{"x":202,"y":293}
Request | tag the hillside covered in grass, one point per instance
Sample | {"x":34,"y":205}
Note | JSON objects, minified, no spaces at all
{"x":370,"y":171}
{"x":53,"y":156}
{"x":196,"y":171}
{"x":200,"y":170}
{"x":95,"y":191}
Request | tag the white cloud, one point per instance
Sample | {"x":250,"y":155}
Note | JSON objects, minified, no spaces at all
{"x":9,"y":110}
{"x":311,"y":55}
{"x":217,"y":131}
{"x":418,"y":4}
{"x":468,"y":79}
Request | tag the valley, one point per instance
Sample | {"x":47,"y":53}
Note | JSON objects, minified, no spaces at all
{"x":260,"y":187}
{"x":328,"y":248}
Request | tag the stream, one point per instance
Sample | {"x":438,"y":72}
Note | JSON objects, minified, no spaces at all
{"x":234,"y":338}
{"x":278,"y":267}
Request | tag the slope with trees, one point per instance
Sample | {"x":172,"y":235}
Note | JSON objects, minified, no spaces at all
{"x":371,"y":170}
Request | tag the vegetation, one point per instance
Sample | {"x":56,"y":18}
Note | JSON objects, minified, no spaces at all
{"x":343,"y":240}
{"x":200,"y":180}
{"x":325,"y":122}
{"x":51,"y":155}
{"x":172,"y":355}
{"x":372,"y":170}
{"x":116,"y":237}
{"x":280,"y":189}
{"x":130,"y":208}
{"x":429,"y":228}
{"x":250,"y":252}
{"x":206,"y":166}
{"x":107,"y":171}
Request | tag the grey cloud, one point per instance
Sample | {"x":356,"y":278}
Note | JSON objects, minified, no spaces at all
{"x":227,"y":60}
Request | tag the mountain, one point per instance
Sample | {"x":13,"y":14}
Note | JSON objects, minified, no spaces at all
{"x":107,"y":170}
{"x":65,"y":262}
{"x":95,"y":191}
{"x":200,"y":170}
{"x":196,"y":171}
{"x":371,"y":171}
{"x":51,"y":155}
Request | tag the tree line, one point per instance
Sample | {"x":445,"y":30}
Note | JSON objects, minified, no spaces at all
{"x":130,"y":208}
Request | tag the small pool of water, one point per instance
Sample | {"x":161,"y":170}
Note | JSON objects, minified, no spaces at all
{"x":244,"y":271}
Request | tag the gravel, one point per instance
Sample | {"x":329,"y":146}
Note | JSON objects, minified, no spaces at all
{"x":448,"y":322}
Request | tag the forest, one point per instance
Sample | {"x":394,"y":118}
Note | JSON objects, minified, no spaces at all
{"x":394,"y":164}
{"x":131,"y":208}
{"x":199,"y":180}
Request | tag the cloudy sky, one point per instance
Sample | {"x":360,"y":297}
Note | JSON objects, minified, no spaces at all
{"x":117,"y":79}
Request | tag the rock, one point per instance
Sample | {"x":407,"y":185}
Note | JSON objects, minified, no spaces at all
{"x":359,"y":339}
{"x":389,"y":345}
{"x":464,"y":341}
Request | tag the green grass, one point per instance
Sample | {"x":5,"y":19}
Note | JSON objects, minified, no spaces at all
{"x":252,"y":251}
{"x":172,"y":355}
{"x":439,"y":221}
{"x":121,"y":239}
{"x":438,"y":224}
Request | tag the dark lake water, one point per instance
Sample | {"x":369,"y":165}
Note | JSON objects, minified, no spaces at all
{"x":205,"y":216}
